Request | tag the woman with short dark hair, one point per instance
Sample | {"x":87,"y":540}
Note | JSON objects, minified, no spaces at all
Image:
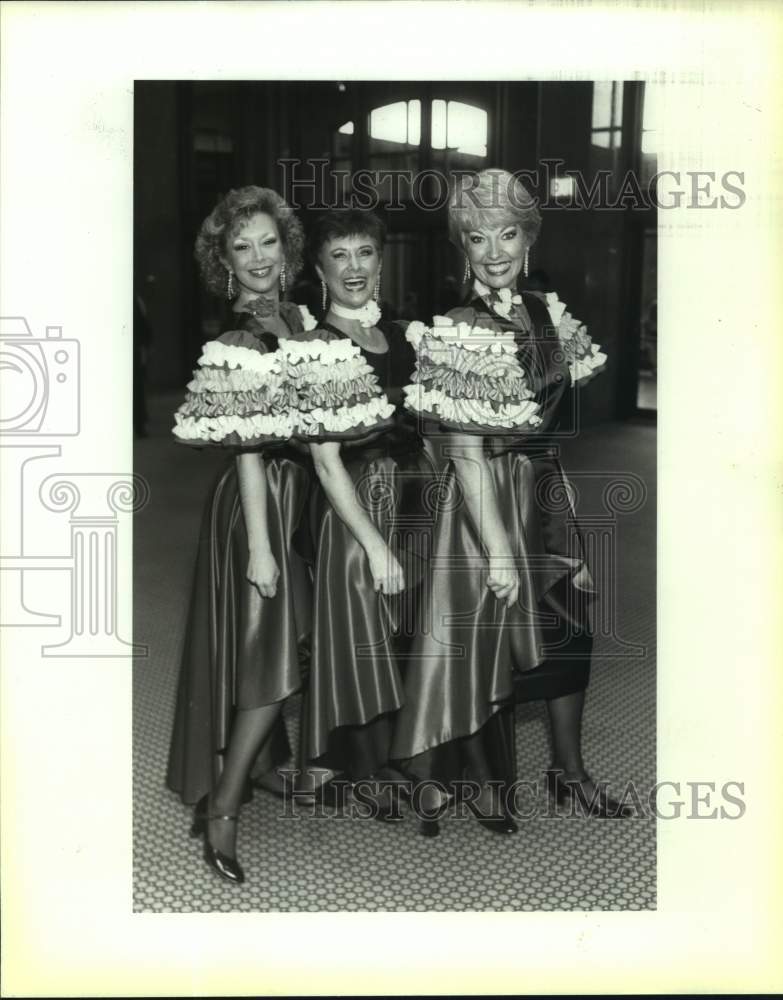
{"x":370,"y":533}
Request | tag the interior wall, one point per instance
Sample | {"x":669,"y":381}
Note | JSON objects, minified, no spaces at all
{"x":158,"y":226}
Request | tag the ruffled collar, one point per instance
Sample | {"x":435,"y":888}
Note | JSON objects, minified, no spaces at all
{"x":480,"y":298}
{"x":499,"y":300}
{"x":368,"y":315}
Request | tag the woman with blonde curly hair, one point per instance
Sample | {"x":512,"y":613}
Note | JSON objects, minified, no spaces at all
{"x":510,"y":602}
{"x":250,"y":606}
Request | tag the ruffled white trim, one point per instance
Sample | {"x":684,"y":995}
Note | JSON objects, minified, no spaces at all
{"x":368,"y":315}
{"x":454,"y":346}
{"x":568,"y":328}
{"x":217,"y":354}
{"x":414,"y":332}
{"x":518,"y":414}
{"x":309,"y":322}
{"x":463,"y":335}
{"x":235,"y":380}
{"x":337,"y":375}
{"x":344,"y":418}
{"x":328,"y":352}
{"x":583,"y":368}
{"x":217,"y":429}
{"x":556,"y":308}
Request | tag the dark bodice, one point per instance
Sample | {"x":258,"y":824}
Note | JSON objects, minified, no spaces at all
{"x":266,"y":330}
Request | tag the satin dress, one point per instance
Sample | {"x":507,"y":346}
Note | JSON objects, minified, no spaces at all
{"x":478,"y":659}
{"x":361,"y":639}
{"x":242,"y":651}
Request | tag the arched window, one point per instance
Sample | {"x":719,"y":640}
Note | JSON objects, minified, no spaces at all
{"x":394,"y":133}
{"x":410,"y":134}
{"x":398,"y":123}
{"x":459,"y":135}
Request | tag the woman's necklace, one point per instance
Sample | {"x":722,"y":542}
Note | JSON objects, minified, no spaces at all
{"x":368,"y":315}
{"x":265,"y":309}
{"x":263,"y":306}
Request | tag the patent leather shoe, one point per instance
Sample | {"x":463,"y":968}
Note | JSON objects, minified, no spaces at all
{"x":228,"y":868}
{"x":331,"y":793}
{"x":499,"y":824}
{"x":386,"y":798}
{"x":602,"y":806}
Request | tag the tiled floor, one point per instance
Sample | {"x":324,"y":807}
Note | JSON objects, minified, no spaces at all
{"x":348,"y":863}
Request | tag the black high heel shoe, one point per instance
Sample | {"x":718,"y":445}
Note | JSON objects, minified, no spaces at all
{"x":330,"y":794}
{"x":567,"y":793}
{"x":228,"y":868}
{"x":499,"y":824}
{"x":386,"y":810}
{"x":429,"y":825}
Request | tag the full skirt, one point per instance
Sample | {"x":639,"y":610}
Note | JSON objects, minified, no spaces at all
{"x":361,"y":639}
{"x":473,"y":658}
{"x":241,"y":650}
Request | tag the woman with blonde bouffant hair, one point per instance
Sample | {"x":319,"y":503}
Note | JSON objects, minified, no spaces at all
{"x":510,"y":618}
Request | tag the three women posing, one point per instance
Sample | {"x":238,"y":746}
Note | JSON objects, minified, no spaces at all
{"x":369,"y":568}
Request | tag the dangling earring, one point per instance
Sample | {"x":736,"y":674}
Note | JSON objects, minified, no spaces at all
{"x":377,"y":290}
{"x":527,"y":260}
{"x":282,"y":278}
{"x":467,"y":275}
{"x":230,"y":288}
{"x":323,"y":296}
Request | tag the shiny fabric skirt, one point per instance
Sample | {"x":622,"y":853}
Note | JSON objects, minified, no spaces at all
{"x":472,"y":658}
{"x":360,"y":638}
{"x":241,"y":650}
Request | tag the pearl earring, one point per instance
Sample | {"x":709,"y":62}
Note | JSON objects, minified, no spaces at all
{"x":467,"y":275}
{"x":323,"y":296}
{"x":527,"y":260}
{"x":377,"y":290}
{"x":230,"y":288}
{"x":282,"y":277}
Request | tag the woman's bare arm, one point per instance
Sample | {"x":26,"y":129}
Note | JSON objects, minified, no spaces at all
{"x":262,"y":568}
{"x":386,"y":571}
{"x":475,"y":479}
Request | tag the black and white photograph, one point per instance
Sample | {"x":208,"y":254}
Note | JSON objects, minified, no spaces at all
{"x":385,"y":608}
{"x":395,"y":401}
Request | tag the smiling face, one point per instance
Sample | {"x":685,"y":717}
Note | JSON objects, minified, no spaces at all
{"x":349,"y":265}
{"x":255,"y":255}
{"x":496,"y":255}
